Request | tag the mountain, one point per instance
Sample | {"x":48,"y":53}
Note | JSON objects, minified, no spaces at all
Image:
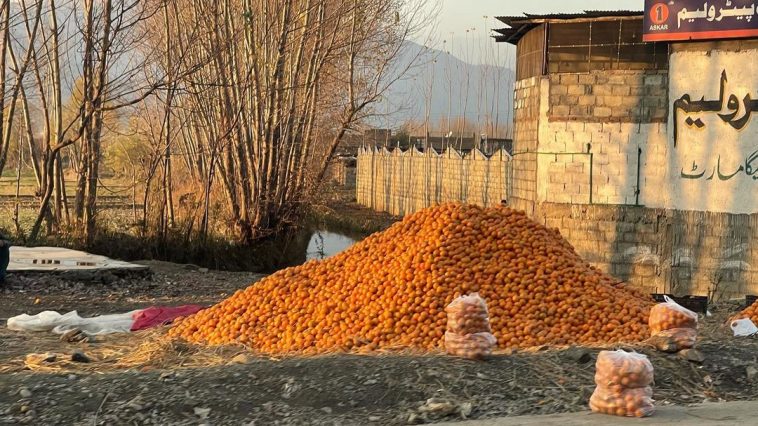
{"x":478,"y":92}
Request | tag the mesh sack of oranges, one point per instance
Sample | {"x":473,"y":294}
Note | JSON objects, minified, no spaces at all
{"x":468,"y":332}
{"x":623,"y":382}
{"x":751,"y":313}
{"x":669,"y":314}
{"x":468,"y":315}
{"x":673,"y":326}
{"x":472,"y":346}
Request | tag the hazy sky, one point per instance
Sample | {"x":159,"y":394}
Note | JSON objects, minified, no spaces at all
{"x":457,"y":16}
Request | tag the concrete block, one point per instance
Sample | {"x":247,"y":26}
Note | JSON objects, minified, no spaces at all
{"x":587,"y":100}
{"x":579,"y":111}
{"x":613,"y":101}
{"x":559,"y":197}
{"x":580,"y":199}
{"x":621,"y":90}
{"x":602,"y":90}
{"x":637,"y":91}
{"x":575,"y":126}
{"x":634,"y":80}
{"x":575,"y":167}
{"x":601,"y":112}
{"x":631,"y":102}
{"x":600,"y":138}
{"x":576,"y":89}
{"x":617,"y":79}
{"x":557,"y":89}
{"x":653,"y":80}
{"x":569,"y":78}
{"x":560,"y":110}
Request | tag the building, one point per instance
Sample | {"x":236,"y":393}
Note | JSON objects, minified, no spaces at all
{"x":635,"y":135}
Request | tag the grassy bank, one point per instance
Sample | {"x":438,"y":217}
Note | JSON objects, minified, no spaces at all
{"x":120,"y":238}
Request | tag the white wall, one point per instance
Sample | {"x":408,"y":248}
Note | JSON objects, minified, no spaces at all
{"x":717,"y":143}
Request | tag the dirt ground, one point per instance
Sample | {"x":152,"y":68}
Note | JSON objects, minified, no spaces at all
{"x":141,"y":379}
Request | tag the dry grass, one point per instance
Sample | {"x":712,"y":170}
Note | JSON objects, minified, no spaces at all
{"x":146,"y":350}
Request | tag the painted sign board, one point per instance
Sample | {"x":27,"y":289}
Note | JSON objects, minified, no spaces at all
{"x":712,"y":155}
{"x":672,"y":20}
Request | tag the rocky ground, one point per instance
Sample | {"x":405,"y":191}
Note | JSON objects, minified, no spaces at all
{"x":141,"y":379}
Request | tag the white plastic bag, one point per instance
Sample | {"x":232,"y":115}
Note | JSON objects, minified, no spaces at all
{"x":743,"y":327}
{"x":43,"y":321}
{"x":60,"y":324}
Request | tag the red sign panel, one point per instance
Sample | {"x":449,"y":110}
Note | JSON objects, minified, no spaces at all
{"x":671,"y":20}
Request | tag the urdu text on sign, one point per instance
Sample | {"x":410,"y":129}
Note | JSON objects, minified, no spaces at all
{"x":700,"y":20}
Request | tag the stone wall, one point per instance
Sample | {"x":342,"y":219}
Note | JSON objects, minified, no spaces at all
{"x":402,"y":182}
{"x":525,"y":137}
{"x":663,"y":251}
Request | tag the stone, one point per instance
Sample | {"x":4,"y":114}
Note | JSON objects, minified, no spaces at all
{"x":136,"y":404}
{"x":326,"y":410}
{"x":578,"y":355}
{"x":79,"y":356}
{"x":202,"y":412}
{"x":71,"y":335}
{"x":240,"y":359}
{"x":37,"y":358}
{"x":752,"y":373}
{"x":663,"y":344}
{"x":438,"y":406}
{"x":25,"y":393}
{"x":465,"y":409}
{"x":692,"y":355}
{"x":374,"y":418}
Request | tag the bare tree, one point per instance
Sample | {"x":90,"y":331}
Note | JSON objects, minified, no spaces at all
{"x":280,"y":85}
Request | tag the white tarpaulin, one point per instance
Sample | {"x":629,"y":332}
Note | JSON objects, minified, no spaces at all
{"x":60,"y":324}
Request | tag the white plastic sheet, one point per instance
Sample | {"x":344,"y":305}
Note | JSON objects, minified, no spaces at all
{"x":60,"y":324}
{"x":743,"y":327}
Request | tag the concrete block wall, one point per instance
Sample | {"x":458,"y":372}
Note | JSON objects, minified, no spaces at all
{"x":402,"y":182}
{"x":655,"y":249}
{"x":625,"y":142}
{"x":609,"y":96}
{"x":525,"y":141}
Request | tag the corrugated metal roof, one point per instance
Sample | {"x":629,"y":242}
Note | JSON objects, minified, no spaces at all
{"x":520,"y":25}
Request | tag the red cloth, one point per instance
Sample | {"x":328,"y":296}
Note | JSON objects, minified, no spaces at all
{"x":157,"y":315}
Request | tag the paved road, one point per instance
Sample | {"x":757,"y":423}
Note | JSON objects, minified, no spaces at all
{"x":717,"y":414}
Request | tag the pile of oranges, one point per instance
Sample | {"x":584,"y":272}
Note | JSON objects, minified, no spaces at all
{"x":391,"y":290}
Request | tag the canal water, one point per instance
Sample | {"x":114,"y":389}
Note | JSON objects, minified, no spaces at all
{"x":323,"y":244}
